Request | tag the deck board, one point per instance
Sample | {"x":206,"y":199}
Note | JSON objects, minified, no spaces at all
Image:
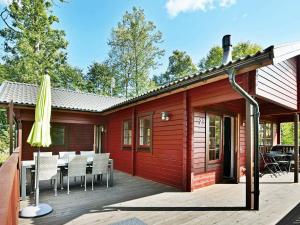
{"x":154,"y":203}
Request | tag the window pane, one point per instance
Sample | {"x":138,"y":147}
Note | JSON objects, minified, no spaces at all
{"x":214,"y":137}
{"x":127,"y":132}
{"x":265,"y":134}
{"x":145,"y":131}
{"x":58,"y":135}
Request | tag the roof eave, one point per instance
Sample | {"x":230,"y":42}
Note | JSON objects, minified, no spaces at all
{"x":260,"y":60}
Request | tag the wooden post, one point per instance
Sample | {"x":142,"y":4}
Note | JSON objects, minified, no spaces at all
{"x":237,"y":124}
{"x":20,"y":139}
{"x":249,"y":157}
{"x":95,"y":138}
{"x":11,"y":123}
{"x":278,"y":133}
{"x":133,"y":141}
{"x":296,"y":147}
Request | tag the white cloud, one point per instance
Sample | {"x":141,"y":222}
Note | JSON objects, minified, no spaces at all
{"x":5,"y":2}
{"x":226,"y":3}
{"x":174,"y":7}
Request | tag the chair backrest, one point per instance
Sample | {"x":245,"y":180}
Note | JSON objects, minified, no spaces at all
{"x":65,"y":155}
{"x":87,"y":153}
{"x":77,"y":165}
{"x":42,"y":154}
{"x":107,"y":154}
{"x":48,"y":167}
{"x":100,"y":163}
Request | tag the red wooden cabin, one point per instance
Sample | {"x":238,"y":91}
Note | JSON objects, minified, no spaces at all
{"x":188,"y":134}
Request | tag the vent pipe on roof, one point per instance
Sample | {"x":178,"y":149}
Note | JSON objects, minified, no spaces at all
{"x":227,"y":49}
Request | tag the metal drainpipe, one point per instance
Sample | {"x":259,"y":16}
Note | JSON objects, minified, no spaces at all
{"x":241,"y":91}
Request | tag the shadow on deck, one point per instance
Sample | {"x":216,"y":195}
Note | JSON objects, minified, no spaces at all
{"x":154,"y":203}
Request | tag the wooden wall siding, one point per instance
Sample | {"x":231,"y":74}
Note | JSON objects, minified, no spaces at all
{"x":62,"y":117}
{"x":278,"y":83}
{"x":113,"y":140}
{"x":202,"y":175}
{"x":78,"y":137}
{"x":164,"y":163}
{"x":217,"y":92}
{"x":242,"y":148}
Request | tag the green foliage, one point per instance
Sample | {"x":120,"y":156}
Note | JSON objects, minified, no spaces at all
{"x":287,"y":133}
{"x":180,"y":65}
{"x":31,"y":44}
{"x":4,"y":138}
{"x":134,"y":52}
{"x":71,"y":78}
{"x":215,"y":54}
{"x":99,"y":79}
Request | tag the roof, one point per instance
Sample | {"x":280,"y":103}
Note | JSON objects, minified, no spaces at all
{"x":25,"y":94}
{"x":273,"y":54}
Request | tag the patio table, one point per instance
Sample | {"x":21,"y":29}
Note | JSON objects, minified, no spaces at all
{"x":28,"y":164}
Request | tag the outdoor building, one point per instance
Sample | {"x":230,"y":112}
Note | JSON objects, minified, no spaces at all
{"x":187,"y":134}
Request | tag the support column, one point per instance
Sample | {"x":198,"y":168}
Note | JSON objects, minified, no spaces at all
{"x":296,"y":147}
{"x":249,"y":157}
{"x":20,"y":139}
{"x":11,"y":123}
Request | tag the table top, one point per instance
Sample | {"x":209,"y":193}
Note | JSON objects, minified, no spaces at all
{"x":60,"y":162}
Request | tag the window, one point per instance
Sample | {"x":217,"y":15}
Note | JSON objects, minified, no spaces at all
{"x":214,"y":142}
{"x":127,"y":133}
{"x":57,"y":135}
{"x":265,"y":134}
{"x":145,"y":131}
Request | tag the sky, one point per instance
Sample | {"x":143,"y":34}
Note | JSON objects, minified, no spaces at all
{"x":193,"y":26}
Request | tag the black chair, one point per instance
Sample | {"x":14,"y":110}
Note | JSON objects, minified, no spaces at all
{"x":269,"y":165}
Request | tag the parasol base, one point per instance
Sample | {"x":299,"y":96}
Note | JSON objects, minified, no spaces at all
{"x":36,"y":211}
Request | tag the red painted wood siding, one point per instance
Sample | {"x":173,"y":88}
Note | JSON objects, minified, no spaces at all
{"x":164,"y":163}
{"x":202,"y":175}
{"x":278,"y":83}
{"x":242,"y":148}
{"x":78,"y":137}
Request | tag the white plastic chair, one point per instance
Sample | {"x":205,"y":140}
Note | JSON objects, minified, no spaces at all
{"x":65,"y":155}
{"x":100,"y":167}
{"x":48,"y":169}
{"x":76,"y":168}
{"x":87,"y":153}
{"x":47,"y":154}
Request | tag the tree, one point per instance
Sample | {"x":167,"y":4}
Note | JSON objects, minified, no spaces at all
{"x":31,"y":44}
{"x":99,"y":79}
{"x":215,"y":54}
{"x":71,"y":78}
{"x":180,"y":65}
{"x":134,"y":52}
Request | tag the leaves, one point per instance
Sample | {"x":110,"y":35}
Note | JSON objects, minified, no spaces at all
{"x":180,"y":65}
{"x":215,"y":54}
{"x":134,"y":52}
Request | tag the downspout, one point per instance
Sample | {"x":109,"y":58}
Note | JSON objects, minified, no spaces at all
{"x":231,"y":76}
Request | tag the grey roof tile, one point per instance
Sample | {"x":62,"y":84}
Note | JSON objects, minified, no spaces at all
{"x":25,"y":94}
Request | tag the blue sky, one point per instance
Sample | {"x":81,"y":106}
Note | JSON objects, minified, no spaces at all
{"x":189,"y":25}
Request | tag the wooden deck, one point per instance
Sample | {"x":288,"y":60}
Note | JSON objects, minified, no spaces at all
{"x":153,"y":203}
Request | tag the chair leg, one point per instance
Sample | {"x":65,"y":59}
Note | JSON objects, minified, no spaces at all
{"x":106,"y":179}
{"x":81,"y":181}
{"x":85,"y":183}
{"x":68,"y":185}
{"x":61,"y":182}
{"x":55,"y":186}
{"x":92,"y":182}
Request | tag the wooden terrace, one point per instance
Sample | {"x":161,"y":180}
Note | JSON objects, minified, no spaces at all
{"x":154,"y":203}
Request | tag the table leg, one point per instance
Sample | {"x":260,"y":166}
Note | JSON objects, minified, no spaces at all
{"x":23,"y":183}
{"x":111,"y":177}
